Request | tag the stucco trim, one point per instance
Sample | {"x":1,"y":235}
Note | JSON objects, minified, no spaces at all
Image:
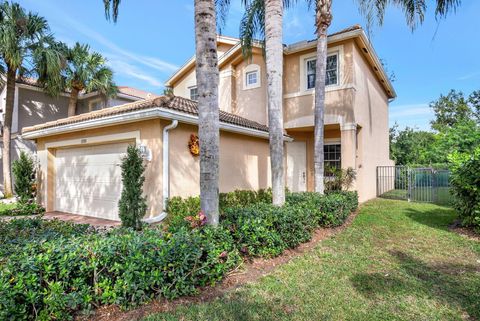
{"x":311,"y":92}
{"x":95,"y":139}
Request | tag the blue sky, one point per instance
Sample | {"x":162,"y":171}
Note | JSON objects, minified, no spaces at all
{"x":153,"y":38}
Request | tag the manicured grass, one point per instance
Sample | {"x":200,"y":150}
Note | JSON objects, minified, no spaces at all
{"x":397,"y":261}
{"x":5,"y":207}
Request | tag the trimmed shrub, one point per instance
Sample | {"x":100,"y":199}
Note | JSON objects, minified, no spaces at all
{"x":52,"y":269}
{"x":55,"y":278}
{"x":132,"y":205}
{"x":23,"y":209}
{"x":24,"y":174}
{"x":465,"y":182}
{"x":179,"y":209}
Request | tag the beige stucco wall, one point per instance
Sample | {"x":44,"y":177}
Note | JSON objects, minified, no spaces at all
{"x":251,"y":103}
{"x":244,"y":163}
{"x":371,"y":114}
{"x":150,"y":135}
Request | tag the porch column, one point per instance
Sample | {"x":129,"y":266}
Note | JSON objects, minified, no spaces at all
{"x":348,"y":138}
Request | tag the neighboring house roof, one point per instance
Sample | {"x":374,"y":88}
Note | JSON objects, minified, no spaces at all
{"x":122,"y":90}
{"x":134,"y":92}
{"x":355,"y":31}
{"x":179,"y":105}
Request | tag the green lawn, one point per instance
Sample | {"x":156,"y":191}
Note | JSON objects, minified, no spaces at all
{"x":397,"y":261}
{"x":4,"y":207}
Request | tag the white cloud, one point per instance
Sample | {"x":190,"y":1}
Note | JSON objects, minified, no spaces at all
{"x":70,"y":23}
{"x":402,"y":111}
{"x":469,"y":76}
{"x":124,"y":68}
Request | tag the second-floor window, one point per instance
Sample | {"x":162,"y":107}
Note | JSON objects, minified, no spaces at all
{"x":252,"y":78}
{"x":331,"y":72}
{"x":193,"y":93}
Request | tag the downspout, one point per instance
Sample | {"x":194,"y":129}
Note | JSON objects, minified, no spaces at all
{"x":165,"y":170}
{"x":166,"y":164}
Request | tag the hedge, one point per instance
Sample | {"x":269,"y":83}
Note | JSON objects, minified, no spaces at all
{"x":465,"y":186}
{"x":67,"y":269}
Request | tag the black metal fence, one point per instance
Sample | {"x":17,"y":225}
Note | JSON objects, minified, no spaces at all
{"x":414,"y":184}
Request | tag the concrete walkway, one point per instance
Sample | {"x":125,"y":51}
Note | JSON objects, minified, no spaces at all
{"x":81,"y":219}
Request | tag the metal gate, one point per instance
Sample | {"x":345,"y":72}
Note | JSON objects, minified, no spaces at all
{"x":413,"y":184}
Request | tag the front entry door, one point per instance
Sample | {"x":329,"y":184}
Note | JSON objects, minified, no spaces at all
{"x":297,"y":166}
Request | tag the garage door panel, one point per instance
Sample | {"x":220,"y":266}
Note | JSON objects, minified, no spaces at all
{"x":88,"y":180}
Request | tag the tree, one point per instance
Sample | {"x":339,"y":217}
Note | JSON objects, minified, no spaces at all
{"x":132,"y":205}
{"x":455,"y":108}
{"x":24,"y":38}
{"x":208,"y":111}
{"x":25,"y":178}
{"x":449,"y":110}
{"x":412,"y":146}
{"x":86,"y":71}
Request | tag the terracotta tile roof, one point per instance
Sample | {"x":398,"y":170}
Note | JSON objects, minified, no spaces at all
{"x":134,"y":92}
{"x":175,"y":103}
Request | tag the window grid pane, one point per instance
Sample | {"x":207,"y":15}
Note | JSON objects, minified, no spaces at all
{"x":333,"y":159}
{"x":194,"y":93}
{"x":331,"y":71}
{"x":251,"y":78}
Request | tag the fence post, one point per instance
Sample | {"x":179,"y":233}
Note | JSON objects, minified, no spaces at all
{"x":409,"y":184}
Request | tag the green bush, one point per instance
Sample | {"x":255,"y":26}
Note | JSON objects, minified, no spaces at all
{"x":56,"y":278}
{"x":24,"y":175}
{"x":16,"y":233}
{"x":132,"y":205}
{"x":465,"y":186}
{"x":50,"y":270}
{"x":179,"y":208}
{"x":23,"y":209}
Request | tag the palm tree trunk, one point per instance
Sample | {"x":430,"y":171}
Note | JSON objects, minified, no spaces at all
{"x":208,"y":113}
{"x":323,"y":20}
{"x":7,"y":132}
{"x":274,"y":64}
{"x":72,"y":102}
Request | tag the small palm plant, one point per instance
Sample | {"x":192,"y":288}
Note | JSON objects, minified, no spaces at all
{"x":86,"y":71}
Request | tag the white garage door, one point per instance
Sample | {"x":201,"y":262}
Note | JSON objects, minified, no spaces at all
{"x":88,"y":180}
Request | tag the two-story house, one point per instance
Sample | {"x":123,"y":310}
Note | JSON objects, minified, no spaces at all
{"x":79,"y":155}
{"x":358,"y":92}
{"x":32,"y":107}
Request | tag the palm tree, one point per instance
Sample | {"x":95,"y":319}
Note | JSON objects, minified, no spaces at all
{"x":86,"y":71}
{"x":208,"y":111}
{"x":26,"y":46}
{"x":253,"y":22}
{"x":265,"y":18}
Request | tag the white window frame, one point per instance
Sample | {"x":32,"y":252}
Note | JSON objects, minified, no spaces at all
{"x":338,"y":50}
{"x":190,"y":92}
{"x":248,"y":70}
{"x":329,"y":142}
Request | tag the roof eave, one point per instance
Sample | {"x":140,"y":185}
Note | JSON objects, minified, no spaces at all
{"x":145,"y":114}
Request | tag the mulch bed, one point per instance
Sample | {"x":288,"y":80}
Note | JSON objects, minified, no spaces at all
{"x":467,"y":232}
{"x":247,"y":273}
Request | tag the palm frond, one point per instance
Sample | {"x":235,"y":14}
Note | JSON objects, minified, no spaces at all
{"x":252,"y":26}
{"x":111,"y":9}
{"x":414,"y":10}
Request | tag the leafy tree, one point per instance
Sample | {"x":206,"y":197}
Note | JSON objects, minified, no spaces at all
{"x":26,"y":47}
{"x":463,"y":137}
{"x":132,"y":205}
{"x":451,"y":109}
{"x":208,"y":110}
{"x":86,"y":71}
{"x":411,"y":146}
{"x":25,"y":178}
